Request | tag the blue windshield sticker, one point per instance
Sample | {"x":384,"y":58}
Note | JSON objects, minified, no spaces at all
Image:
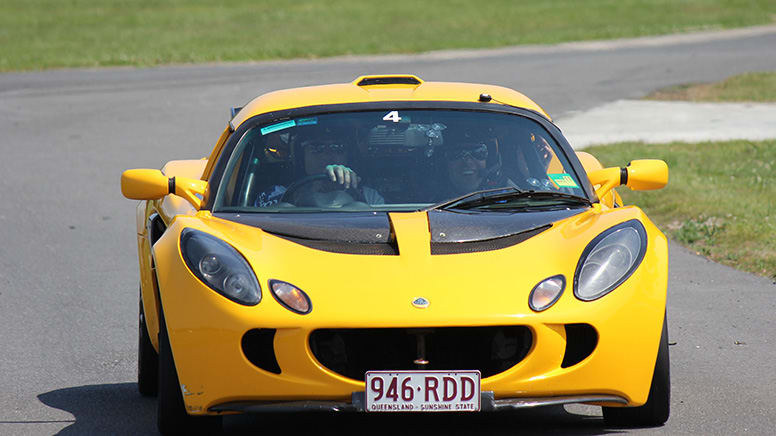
{"x":563,"y":180}
{"x":279,"y":126}
{"x":307,"y":121}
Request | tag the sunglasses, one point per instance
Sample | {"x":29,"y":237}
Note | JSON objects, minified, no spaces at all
{"x":323,"y":147}
{"x":474,"y":151}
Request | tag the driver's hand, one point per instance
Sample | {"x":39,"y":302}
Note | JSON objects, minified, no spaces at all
{"x":343,"y":175}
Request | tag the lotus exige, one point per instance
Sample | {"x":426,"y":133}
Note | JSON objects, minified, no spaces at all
{"x":392,"y":244}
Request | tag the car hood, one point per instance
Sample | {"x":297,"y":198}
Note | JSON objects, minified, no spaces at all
{"x":375,"y":227}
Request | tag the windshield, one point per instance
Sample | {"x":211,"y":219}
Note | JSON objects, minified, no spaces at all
{"x":397,"y":160}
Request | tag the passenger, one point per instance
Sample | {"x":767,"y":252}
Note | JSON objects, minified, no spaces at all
{"x":473,"y":165}
{"x":465,"y":164}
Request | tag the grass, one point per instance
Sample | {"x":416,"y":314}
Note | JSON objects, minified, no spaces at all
{"x":41,"y":34}
{"x":720,"y":200}
{"x":749,"y":87}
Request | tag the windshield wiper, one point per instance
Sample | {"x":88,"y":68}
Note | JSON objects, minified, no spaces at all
{"x":481,"y":193}
{"x":489,"y":197}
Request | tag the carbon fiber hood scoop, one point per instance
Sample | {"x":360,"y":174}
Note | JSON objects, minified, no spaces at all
{"x":459,"y":227}
{"x":351,"y":227}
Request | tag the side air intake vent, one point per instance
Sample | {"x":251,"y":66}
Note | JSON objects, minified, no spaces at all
{"x":581,"y":340}
{"x":389,"y":80}
{"x":258,"y":347}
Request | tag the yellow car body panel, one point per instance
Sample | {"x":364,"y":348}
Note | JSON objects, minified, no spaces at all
{"x":351,"y":93}
{"x":168,"y":208}
{"x":376,"y":291}
{"x":592,"y":164}
{"x":216,"y":151}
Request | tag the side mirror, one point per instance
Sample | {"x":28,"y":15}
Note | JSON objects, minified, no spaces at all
{"x":647,"y":174}
{"x":639,"y":175}
{"x":153,"y":185}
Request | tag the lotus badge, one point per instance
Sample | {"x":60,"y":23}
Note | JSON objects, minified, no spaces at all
{"x":420,"y":303}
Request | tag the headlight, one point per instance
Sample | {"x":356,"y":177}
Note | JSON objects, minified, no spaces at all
{"x":609,"y":259}
{"x":293,"y":298}
{"x":546,"y":293}
{"x":220,"y":267}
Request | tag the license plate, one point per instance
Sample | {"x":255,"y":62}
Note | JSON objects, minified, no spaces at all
{"x":423,"y":391}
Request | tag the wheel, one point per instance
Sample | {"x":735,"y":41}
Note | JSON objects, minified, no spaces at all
{"x":657,"y":408}
{"x":172,"y":418}
{"x":147,"y":359}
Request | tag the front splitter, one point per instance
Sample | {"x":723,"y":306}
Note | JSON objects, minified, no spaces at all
{"x":488,"y":403}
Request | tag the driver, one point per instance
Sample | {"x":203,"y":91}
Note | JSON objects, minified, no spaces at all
{"x":323,"y":154}
{"x":330,"y":157}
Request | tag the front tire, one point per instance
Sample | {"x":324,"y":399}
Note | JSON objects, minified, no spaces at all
{"x":147,"y":358}
{"x":656,"y":410}
{"x":172,"y":418}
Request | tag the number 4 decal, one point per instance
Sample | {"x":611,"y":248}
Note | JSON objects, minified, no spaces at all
{"x":392,"y":116}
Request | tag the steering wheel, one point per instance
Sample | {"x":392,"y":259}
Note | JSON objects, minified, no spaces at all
{"x":333,"y":194}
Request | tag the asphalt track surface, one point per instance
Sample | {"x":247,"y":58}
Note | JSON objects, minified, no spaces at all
{"x":68,"y":271}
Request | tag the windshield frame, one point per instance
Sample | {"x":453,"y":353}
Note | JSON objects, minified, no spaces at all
{"x":272,"y":117}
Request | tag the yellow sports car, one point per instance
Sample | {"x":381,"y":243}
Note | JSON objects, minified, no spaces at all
{"x":391,"y":245}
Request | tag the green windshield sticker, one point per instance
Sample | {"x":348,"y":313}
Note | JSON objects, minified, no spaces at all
{"x":306,"y":121}
{"x":563,"y":180}
{"x":279,"y":126}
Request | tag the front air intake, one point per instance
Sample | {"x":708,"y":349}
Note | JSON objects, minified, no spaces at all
{"x":353,"y":352}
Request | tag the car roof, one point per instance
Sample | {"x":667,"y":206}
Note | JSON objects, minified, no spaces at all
{"x":377,"y":88}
